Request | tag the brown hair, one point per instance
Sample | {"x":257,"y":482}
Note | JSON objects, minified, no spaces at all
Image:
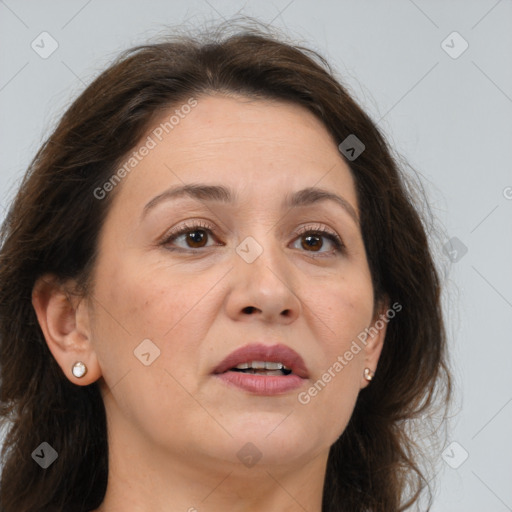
{"x":53,"y":227}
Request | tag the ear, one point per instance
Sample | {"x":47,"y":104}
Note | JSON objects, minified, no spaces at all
{"x":376,"y":336}
{"x":64,"y":320}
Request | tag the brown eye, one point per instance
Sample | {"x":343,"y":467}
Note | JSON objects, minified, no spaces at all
{"x":194,"y":236}
{"x":312,"y":241}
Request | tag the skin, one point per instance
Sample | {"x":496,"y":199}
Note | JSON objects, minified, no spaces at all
{"x":174,"y":429}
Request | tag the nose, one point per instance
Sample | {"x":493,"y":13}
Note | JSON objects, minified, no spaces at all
{"x":263,"y":288}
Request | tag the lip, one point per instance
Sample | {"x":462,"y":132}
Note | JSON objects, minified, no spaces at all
{"x":263,"y":384}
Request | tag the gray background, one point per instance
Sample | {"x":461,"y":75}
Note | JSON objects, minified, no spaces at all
{"x":449,"y":117}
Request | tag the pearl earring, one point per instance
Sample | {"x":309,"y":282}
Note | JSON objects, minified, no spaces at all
{"x":79,"y":369}
{"x":368,"y":374}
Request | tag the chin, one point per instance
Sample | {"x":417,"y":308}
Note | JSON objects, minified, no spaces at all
{"x":279,"y":438}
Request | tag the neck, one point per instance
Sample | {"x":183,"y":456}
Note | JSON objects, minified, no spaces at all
{"x":145,"y":478}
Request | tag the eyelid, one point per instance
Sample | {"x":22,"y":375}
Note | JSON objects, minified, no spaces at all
{"x":324,"y":231}
{"x":319,"y":228}
{"x":185,"y":227}
{"x":194,"y":225}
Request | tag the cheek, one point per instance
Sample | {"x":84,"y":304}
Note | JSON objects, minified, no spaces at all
{"x":342,"y":311}
{"x":170,"y":310}
{"x":343,"y":307}
{"x":136,"y":303}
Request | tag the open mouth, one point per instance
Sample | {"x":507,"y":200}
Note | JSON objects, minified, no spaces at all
{"x":268,"y":368}
{"x":261,"y":369}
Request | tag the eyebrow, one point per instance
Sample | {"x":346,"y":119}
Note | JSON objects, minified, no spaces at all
{"x":222,"y":194}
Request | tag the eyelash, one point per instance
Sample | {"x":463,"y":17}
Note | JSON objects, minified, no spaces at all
{"x":200,"y":226}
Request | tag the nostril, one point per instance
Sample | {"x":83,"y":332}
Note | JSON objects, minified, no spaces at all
{"x":249,"y":309}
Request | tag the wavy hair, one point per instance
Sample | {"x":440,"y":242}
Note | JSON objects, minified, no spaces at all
{"x":53,"y":226}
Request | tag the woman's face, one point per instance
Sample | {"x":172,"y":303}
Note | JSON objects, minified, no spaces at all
{"x":252,"y":269}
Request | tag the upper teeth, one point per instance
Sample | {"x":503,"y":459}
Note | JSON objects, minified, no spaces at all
{"x":261,"y":365}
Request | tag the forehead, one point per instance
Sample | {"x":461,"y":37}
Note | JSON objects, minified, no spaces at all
{"x":259,"y":147}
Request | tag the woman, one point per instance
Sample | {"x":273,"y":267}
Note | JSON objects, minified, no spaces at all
{"x":216,"y":294}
